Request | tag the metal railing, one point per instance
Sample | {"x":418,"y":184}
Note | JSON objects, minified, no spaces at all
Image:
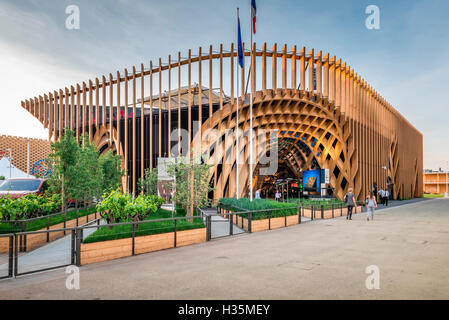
{"x":24,"y":223}
{"x":8,"y":273}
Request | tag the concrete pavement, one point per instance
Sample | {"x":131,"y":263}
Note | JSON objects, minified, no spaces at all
{"x":322,"y":259}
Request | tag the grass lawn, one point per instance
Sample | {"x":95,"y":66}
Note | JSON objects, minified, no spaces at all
{"x":42,"y":223}
{"x":431,"y":195}
{"x":146,"y":228}
{"x":318,"y":202}
{"x":242,"y":204}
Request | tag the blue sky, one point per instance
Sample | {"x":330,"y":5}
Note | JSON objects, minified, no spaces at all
{"x":406,"y":61}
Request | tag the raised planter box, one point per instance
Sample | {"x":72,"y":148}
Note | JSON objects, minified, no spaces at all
{"x":115,"y":249}
{"x":282,"y":222}
{"x":39,"y":239}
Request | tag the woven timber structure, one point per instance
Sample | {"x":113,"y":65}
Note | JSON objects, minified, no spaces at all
{"x":326,"y":115}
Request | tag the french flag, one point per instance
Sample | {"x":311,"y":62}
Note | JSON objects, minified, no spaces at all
{"x":253,"y":14}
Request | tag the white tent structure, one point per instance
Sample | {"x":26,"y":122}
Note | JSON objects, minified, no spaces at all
{"x":5,"y":169}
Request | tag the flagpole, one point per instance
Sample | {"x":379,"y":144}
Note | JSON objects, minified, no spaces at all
{"x":237,"y":125}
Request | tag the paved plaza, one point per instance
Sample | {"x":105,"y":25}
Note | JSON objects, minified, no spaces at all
{"x":322,"y":259}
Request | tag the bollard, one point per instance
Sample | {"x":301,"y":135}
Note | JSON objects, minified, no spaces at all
{"x":208,"y":228}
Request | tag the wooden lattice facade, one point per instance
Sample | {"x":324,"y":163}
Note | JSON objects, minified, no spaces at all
{"x":39,"y":149}
{"x":327,"y":116}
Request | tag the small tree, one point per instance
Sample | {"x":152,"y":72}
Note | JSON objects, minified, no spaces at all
{"x":64,"y":157}
{"x":89,"y":174}
{"x":2,"y":178}
{"x":148,"y":184}
{"x":192,"y":183}
{"x":112,"y":171}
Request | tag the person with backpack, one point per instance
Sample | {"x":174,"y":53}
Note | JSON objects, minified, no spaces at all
{"x":371,"y":204}
{"x":350,"y":203}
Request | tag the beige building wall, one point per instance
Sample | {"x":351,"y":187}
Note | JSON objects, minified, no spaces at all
{"x":436,"y":182}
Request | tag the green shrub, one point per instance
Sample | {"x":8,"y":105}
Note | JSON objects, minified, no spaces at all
{"x":264,"y":207}
{"x":28,"y":207}
{"x":118,"y":207}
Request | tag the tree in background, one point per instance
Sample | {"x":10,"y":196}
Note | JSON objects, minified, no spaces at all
{"x":191,"y":183}
{"x":88,"y":181}
{"x":148,"y":184}
{"x":64,"y":157}
{"x":80,"y":173}
{"x":112,"y":171}
{"x":2,"y":178}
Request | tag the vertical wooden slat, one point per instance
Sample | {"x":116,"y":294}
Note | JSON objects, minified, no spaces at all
{"x":103,"y":112}
{"x":72,"y":108}
{"x":311,"y":69}
{"x":97,"y":104}
{"x":232,"y":73}
{"x":142,"y":122}
{"x":179,"y":104}
{"x":274,"y":67}
{"x":326,"y":75}
{"x":159,"y":136}
{"x":293,"y":68}
{"x":189,"y":88}
{"x":66,"y":108}
{"x":84,"y":111}
{"x":200,"y":84}
{"x":151,"y":115}
{"x":169,"y":107}
{"x":111,"y":108}
{"x":221,"y":76}
{"x":210,"y":83}
{"x":332,"y":79}
{"x":61,"y":112}
{"x":45,"y":111}
{"x":90,"y":110}
{"x":318,"y":74}
{"x":126,"y":149}
{"x":51,"y":119}
{"x":284,"y":67}
{"x":253,"y":69}
{"x":264,"y":67}
{"x":302,"y":69}
{"x":338,"y":83}
{"x":243,"y":82}
{"x":134,"y":133}
{"x":78,"y":112}
{"x":119,"y":113}
{"x":56,"y":116}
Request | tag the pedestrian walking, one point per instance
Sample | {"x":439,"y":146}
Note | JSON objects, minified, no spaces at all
{"x":371,"y":204}
{"x":350,"y":203}
{"x":387,"y":196}
{"x":381,"y":194}
{"x":258,"y":194}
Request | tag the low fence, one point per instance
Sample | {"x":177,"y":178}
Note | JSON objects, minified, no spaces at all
{"x":96,"y":241}
{"x":137,"y":237}
{"x":31,"y":240}
{"x":6,"y":261}
{"x":268,"y":219}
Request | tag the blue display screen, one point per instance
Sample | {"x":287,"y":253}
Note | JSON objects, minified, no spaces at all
{"x":311,"y":180}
